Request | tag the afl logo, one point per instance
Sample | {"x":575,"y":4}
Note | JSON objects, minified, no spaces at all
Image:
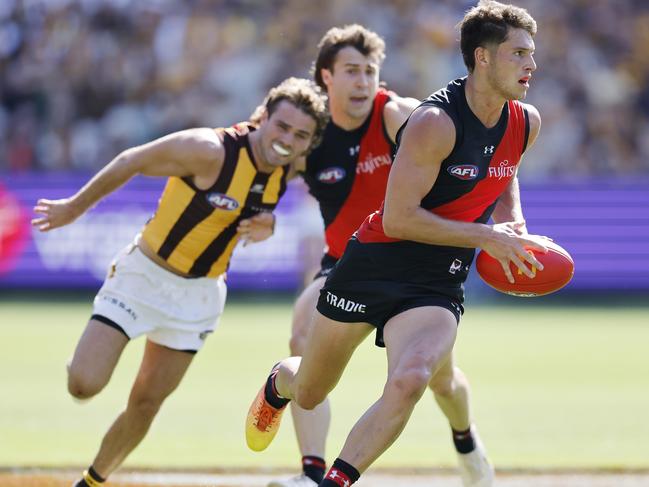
{"x":222,"y":201}
{"x":465,"y":172}
{"x":331,"y":175}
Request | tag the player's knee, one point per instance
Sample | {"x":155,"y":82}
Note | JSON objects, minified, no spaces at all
{"x":409,"y":383}
{"x":83,"y":387}
{"x":309,"y":398}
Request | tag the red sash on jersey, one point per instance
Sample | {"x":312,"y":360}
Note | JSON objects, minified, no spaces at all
{"x":470,"y":206}
{"x":368,"y":190}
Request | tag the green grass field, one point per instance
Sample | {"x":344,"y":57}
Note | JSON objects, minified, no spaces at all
{"x":553,"y":387}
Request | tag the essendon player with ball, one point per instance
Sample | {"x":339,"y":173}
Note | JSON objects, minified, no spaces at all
{"x":409,"y":260}
{"x":347,"y":174}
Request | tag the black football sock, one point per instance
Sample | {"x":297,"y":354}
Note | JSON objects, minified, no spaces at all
{"x":464,"y":441}
{"x":270,"y":393}
{"x":90,"y":479}
{"x":314,"y":467}
{"x":341,"y":474}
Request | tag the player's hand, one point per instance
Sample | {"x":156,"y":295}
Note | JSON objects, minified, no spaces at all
{"x":55,"y":213}
{"x":508,"y":244}
{"x":256,"y":228}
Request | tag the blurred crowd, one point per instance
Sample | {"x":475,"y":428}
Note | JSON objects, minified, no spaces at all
{"x":81,"y":80}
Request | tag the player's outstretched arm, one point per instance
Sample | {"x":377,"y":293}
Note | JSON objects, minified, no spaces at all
{"x":195,"y":152}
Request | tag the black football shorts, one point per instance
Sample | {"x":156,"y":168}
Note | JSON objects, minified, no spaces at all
{"x":372,"y":282}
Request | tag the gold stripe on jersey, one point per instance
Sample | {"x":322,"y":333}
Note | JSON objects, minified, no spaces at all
{"x":274,"y":187}
{"x":196,"y":241}
{"x":221,"y":265}
{"x":198,"y":238}
{"x":175,"y":198}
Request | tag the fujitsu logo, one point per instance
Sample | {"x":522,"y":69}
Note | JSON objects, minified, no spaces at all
{"x":371,"y":163}
{"x":503,"y":170}
{"x":465,"y":172}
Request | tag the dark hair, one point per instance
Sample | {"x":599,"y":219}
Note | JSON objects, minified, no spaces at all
{"x":488,"y":23}
{"x":363,"y":40}
{"x":303,"y":94}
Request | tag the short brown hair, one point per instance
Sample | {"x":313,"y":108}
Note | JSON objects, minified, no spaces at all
{"x":303,"y":94}
{"x":488,"y":23}
{"x":363,"y":40}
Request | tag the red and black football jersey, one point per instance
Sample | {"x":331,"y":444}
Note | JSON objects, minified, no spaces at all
{"x":348,"y":173}
{"x":479,"y":168}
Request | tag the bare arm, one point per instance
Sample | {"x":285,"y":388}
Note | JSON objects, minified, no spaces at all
{"x":396,"y":112}
{"x":508,"y":208}
{"x":427,"y":140}
{"x":195,"y":152}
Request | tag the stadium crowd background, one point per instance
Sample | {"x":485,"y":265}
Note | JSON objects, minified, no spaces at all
{"x":83,"y":79}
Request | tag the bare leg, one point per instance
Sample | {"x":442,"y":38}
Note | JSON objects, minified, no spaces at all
{"x":311,"y":427}
{"x":418,"y":342}
{"x":329,"y":342}
{"x":308,"y":379}
{"x":451,"y":389}
{"x":161,"y":371}
{"x":94,"y":359}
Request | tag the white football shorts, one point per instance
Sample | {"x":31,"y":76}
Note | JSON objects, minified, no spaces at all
{"x":141,"y":298}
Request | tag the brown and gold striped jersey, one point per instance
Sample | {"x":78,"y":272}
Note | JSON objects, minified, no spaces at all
{"x":194,"y":230}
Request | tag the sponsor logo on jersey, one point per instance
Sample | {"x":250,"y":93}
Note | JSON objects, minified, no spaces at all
{"x":503,"y":170}
{"x":345,"y":304}
{"x":331,"y":175}
{"x":465,"y":172}
{"x":371,"y":163}
{"x":222,"y":201}
{"x":488,"y":150}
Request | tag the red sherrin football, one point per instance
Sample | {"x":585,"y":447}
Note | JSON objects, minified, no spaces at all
{"x":558,"y":268}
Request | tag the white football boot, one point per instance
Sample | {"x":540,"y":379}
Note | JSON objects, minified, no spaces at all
{"x":475,"y":468}
{"x":297,"y":481}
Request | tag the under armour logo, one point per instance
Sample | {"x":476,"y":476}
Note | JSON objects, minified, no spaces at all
{"x":353,"y":151}
{"x":339,"y":479}
{"x":488,"y":149}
